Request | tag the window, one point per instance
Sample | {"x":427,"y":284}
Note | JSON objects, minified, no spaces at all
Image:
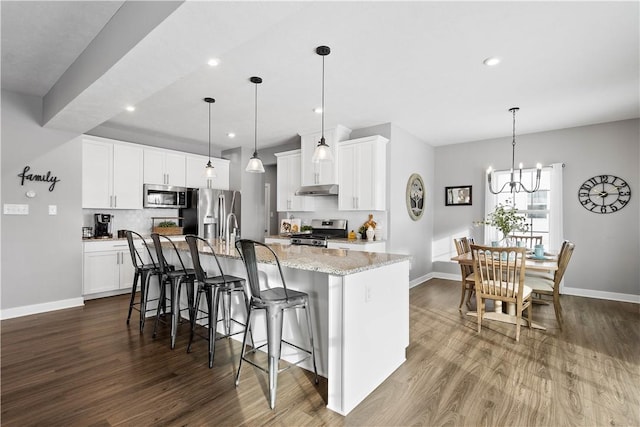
{"x":542,"y":209}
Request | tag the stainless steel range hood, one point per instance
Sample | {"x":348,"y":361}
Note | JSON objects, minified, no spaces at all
{"x":318,"y":190}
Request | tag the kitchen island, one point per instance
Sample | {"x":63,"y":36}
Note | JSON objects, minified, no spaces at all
{"x":359,"y":308}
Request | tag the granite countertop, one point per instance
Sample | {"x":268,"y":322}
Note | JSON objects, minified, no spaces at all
{"x":333,"y":239}
{"x":339,"y":262}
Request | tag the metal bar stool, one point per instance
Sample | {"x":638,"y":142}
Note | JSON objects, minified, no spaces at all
{"x":214,"y":286}
{"x":274,"y":301}
{"x":145,"y":267}
{"x":174,"y":278}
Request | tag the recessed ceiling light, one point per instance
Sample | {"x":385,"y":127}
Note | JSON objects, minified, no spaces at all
{"x":213,"y":62}
{"x":317,"y":110}
{"x":231,"y":135}
{"x":130,"y":108}
{"x":491,"y":61}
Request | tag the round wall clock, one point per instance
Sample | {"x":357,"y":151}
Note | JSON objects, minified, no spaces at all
{"x":604,"y":194}
{"x":415,"y":196}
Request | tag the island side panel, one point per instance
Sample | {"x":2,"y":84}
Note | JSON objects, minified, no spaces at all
{"x":375,"y":329}
{"x":295,"y":321}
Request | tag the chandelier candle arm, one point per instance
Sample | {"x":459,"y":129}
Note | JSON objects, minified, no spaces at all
{"x":255,"y":164}
{"x":515,"y":186}
{"x":323,"y":151}
{"x":209,"y":170}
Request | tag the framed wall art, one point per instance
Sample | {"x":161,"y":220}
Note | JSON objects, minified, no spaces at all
{"x":415,"y":196}
{"x":458,"y":196}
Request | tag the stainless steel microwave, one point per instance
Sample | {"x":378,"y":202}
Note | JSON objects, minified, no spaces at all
{"x":164,"y":196}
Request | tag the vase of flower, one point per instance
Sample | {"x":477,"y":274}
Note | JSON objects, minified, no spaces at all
{"x":506,"y":219}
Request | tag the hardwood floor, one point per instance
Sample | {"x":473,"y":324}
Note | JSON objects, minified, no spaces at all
{"x":86,"y":367}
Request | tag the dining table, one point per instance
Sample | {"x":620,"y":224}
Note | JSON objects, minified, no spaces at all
{"x":547,"y":264}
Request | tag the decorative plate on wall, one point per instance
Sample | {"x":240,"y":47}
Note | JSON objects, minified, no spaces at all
{"x":415,"y":196}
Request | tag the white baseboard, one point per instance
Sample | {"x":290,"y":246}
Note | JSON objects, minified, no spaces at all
{"x":578,"y":292}
{"x":10,"y":313}
{"x":446,"y":276}
{"x":613,"y":296}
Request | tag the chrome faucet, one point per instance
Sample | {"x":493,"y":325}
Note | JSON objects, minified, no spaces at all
{"x":227,"y":229}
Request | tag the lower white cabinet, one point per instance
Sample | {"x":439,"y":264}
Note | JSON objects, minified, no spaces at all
{"x":107,"y":267}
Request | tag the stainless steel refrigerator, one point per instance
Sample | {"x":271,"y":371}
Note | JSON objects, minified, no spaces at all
{"x":209,"y":211}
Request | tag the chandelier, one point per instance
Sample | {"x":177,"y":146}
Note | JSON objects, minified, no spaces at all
{"x":515,"y":186}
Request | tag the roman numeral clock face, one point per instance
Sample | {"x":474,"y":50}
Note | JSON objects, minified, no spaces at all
{"x":604,"y":194}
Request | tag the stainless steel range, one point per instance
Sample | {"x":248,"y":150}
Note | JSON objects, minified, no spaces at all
{"x":322,"y":231}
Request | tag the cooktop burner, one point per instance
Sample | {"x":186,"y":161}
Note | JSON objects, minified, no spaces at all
{"x":322,"y":230}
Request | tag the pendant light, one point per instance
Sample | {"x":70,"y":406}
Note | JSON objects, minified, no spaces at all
{"x":322,"y":152}
{"x":255,"y":164}
{"x":209,"y":169}
{"x":515,"y":186}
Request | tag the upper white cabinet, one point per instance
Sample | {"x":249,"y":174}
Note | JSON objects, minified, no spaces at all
{"x":164,"y":167}
{"x":111,"y":174}
{"x":288,"y":181}
{"x":196,"y":178}
{"x":323,"y":172}
{"x":362,"y":170}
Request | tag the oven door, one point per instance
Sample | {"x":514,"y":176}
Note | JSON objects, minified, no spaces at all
{"x":164,"y":196}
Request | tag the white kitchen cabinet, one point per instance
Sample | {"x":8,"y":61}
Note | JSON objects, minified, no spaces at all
{"x":363,"y":246}
{"x":322,"y":172}
{"x":164,"y":167}
{"x":362,"y":167}
{"x":195,"y":174}
{"x":288,"y":181}
{"x":107,"y":267}
{"x":111,"y":174}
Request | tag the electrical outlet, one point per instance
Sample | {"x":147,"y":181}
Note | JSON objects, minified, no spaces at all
{"x":53,"y":210}
{"x":367,"y":293}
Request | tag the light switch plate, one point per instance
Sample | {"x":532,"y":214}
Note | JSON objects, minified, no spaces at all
{"x":12,"y":209}
{"x":53,"y":210}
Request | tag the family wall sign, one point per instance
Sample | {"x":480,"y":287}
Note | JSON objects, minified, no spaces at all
{"x":26,"y":176}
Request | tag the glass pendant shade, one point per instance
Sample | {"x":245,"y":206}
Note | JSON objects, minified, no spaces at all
{"x":322,"y":153}
{"x":209,"y":170}
{"x":255,"y":164}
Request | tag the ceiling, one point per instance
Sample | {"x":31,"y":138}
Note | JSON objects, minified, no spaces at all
{"x":418,"y":65}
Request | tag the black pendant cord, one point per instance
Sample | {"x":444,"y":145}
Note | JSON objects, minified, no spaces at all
{"x":255,"y":136}
{"x":513,"y":142}
{"x":322,"y":133}
{"x":209,"y":133}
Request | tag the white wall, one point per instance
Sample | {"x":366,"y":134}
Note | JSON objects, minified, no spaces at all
{"x":409,"y":155}
{"x":41,"y":253}
{"x":605,"y":262}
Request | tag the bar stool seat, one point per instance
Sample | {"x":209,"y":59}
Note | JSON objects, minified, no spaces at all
{"x":274,"y":301}
{"x":214,"y":287}
{"x":143,"y":273}
{"x":174,"y":279}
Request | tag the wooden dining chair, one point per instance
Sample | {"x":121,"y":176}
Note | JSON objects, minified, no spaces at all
{"x":500,"y":276}
{"x":528,"y":241}
{"x":468,"y":279}
{"x":544,"y":284}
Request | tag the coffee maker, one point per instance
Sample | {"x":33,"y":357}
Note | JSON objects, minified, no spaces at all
{"x":102,"y":228}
